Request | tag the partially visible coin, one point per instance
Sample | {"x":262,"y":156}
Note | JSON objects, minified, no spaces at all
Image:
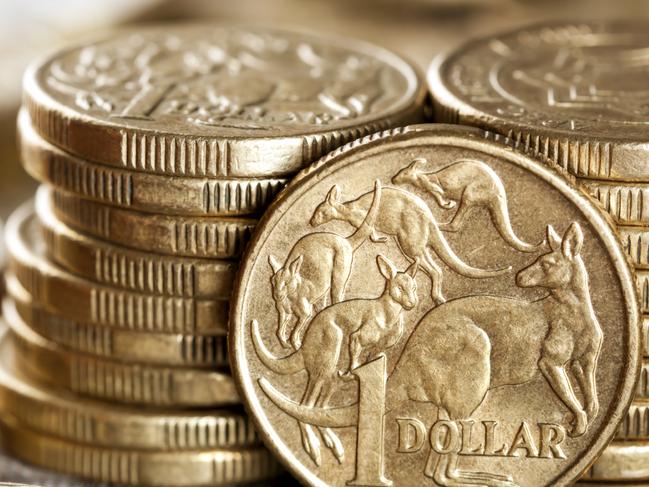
{"x":140,"y":271}
{"x":58,"y":413}
{"x":635,"y":241}
{"x":140,"y":191}
{"x":214,"y":237}
{"x":624,"y":461}
{"x":460,"y":278}
{"x":636,"y":423}
{"x":118,"y":343}
{"x":212,"y":467}
{"x":83,"y":300}
{"x":128,"y":383}
{"x":627,"y":203}
{"x":572,"y":92}
{"x":200,"y":100}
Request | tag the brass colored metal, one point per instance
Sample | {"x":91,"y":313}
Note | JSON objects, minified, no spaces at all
{"x":58,"y":413}
{"x":625,"y":461}
{"x":118,"y":343}
{"x":455,"y":347}
{"x":141,"y":191}
{"x":636,"y":423}
{"x":124,"y":382}
{"x":206,"y":101}
{"x":574,"y":93}
{"x":635,"y":241}
{"x":214,"y":237}
{"x":213,"y":467}
{"x":139,"y":271}
{"x":627,"y":203}
{"x":83,"y":300}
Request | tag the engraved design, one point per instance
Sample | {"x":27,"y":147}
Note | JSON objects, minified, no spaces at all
{"x":625,"y":203}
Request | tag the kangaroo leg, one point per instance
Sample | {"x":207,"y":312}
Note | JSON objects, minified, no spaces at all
{"x":457,"y":221}
{"x":341,"y":269}
{"x":584,"y":370}
{"x":330,"y":438}
{"x":310,"y":440}
{"x":304,"y":312}
{"x":434,"y":271}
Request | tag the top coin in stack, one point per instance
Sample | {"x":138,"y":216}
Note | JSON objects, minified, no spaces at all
{"x":214,"y":102}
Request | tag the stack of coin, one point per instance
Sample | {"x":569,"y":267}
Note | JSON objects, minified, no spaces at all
{"x":159,"y":149}
{"x":574,"y":95}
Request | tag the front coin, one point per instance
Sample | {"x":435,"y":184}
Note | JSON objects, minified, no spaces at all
{"x":429,"y":307}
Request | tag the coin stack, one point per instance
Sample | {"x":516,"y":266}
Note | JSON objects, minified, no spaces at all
{"x":158,"y":150}
{"x":572,"y":94}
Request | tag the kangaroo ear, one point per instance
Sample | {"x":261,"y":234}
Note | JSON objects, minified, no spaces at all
{"x":274,"y":263}
{"x":418,"y":163}
{"x":572,"y":241}
{"x":294,"y":267}
{"x":553,"y":238}
{"x":386,"y":267}
{"x":334,"y":194}
{"x":412,"y":270}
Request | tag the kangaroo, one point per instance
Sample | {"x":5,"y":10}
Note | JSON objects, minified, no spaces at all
{"x":409,"y":219}
{"x":460,"y":350}
{"x":319,"y":263}
{"x":470,"y":183}
{"x":361,"y":324}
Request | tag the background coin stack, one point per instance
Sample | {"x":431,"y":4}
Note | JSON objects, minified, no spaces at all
{"x":115,"y":365}
{"x":608,"y":158}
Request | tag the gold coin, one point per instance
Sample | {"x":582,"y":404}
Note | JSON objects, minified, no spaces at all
{"x":570,"y":92}
{"x":200,"y":100}
{"x":475,"y":314}
{"x":58,"y":413}
{"x":642,"y":279}
{"x":112,"y":380}
{"x":635,"y":241}
{"x":115,"y":343}
{"x":636,"y":423}
{"x":624,"y":461}
{"x":141,"y":191}
{"x":124,"y":268}
{"x":627,"y":203}
{"x":83,"y":300}
{"x":215,"y":237}
{"x":135,"y":467}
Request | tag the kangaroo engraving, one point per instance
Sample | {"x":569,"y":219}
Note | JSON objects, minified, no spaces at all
{"x":460,"y":350}
{"x":409,"y":220}
{"x":467,"y":184}
{"x":319,"y":263}
{"x":366,"y":327}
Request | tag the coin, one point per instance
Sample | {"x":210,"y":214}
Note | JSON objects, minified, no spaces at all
{"x":625,"y":461}
{"x":572,"y":92}
{"x":636,"y":423}
{"x":124,"y":382}
{"x":140,"y":191}
{"x":627,"y":203}
{"x":115,"y":343}
{"x":57,"y":413}
{"x":476,"y":348}
{"x":642,"y":278}
{"x":215,"y":237}
{"x":136,"y":467}
{"x":635,"y":241}
{"x":79,"y":299}
{"x":200,"y":100}
{"x":124,"y":268}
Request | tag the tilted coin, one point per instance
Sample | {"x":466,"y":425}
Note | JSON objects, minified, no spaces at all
{"x":215,"y":237}
{"x":139,"y":271}
{"x":459,"y":280}
{"x":642,"y":278}
{"x":627,"y":203}
{"x":83,"y":300}
{"x":141,"y":191}
{"x":118,"y":343}
{"x":113,"y":380}
{"x":635,"y":241}
{"x":636,"y":423}
{"x":200,"y":100}
{"x":572,"y":92}
{"x":135,"y":467}
{"x":624,"y":461}
{"x":58,"y":413}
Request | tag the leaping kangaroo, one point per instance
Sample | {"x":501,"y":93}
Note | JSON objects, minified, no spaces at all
{"x":365,"y":327}
{"x":318,"y":264}
{"x":468,"y":184}
{"x":409,"y":219}
{"x":460,"y":350}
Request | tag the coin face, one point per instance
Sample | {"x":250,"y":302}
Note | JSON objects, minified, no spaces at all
{"x":430,"y":307}
{"x":201,"y":100}
{"x":574,"y":92}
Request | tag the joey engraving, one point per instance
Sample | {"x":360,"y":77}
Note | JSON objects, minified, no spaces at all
{"x":340,"y":337}
{"x":408,"y":219}
{"x":318,"y":264}
{"x":466,"y":184}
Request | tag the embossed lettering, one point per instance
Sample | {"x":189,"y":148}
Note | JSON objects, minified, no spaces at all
{"x":552,"y":435}
{"x":412,"y":435}
{"x":523,"y":441}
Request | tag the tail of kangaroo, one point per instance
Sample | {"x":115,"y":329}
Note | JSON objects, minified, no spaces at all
{"x":285,"y":365}
{"x":500,"y":218}
{"x":366,"y":228}
{"x":445,"y":252}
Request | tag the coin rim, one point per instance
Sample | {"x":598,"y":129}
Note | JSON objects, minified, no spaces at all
{"x":456,"y":136}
